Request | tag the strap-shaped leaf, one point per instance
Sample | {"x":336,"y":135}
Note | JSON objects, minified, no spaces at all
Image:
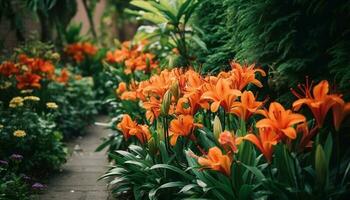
{"x":172,"y":168}
{"x":145,"y":5}
{"x":258,"y":174}
{"x":183,"y":8}
{"x":188,"y":187}
{"x":165,"y":13}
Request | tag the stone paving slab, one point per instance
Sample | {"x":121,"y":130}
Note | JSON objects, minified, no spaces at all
{"x":78,"y":178}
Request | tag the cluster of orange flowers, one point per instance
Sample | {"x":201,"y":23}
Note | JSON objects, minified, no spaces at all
{"x":133,"y":57}
{"x":28,"y":71}
{"x":279,"y":125}
{"x":131,"y":128}
{"x":189,"y":92}
{"x":78,"y":51}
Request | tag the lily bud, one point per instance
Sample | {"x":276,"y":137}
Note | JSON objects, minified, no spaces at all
{"x":164,"y":109}
{"x":160,"y":131}
{"x":148,"y":63}
{"x":174,"y":88}
{"x":217,"y":128}
{"x":320,"y":166}
{"x":152,"y":146}
{"x":171,"y":60}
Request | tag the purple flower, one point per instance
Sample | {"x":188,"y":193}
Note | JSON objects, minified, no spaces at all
{"x":16,"y":157}
{"x":3,"y":162}
{"x":38,"y":186}
{"x":26,"y":178}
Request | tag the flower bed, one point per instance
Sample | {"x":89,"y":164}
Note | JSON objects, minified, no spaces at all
{"x":40,"y":103}
{"x":215,"y":137}
{"x":228,"y":130}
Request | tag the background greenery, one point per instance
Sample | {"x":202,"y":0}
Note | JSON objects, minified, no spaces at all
{"x":290,"y":38}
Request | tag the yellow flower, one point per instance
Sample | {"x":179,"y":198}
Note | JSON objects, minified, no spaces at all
{"x":26,"y":91}
{"x":1,"y":126}
{"x":32,"y":98}
{"x":56,"y":56}
{"x":19,"y":133}
{"x":5,"y":85}
{"x":52,"y":105}
{"x":16,"y":101}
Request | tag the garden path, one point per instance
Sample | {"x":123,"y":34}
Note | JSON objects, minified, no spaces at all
{"x":78,"y":178}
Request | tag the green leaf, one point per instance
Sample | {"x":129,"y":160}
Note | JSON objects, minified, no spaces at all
{"x":328,"y":146}
{"x":145,"y":5}
{"x":245,"y":191}
{"x":103,"y":145}
{"x":258,"y":174}
{"x":165,"y":12}
{"x":189,"y":12}
{"x":199,"y":42}
{"x":174,"y":169}
{"x":152,"y":193}
{"x":183,"y":8}
{"x":154,"y":18}
{"x":187,"y":188}
{"x":284,"y":164}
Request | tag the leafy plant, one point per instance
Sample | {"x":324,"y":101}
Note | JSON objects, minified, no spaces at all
{"x":173,"y":27}
{"x":293,"y":39}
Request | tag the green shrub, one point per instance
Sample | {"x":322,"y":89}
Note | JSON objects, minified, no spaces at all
{"x":293,"y":38}
{"x":77,"y":105}
{"x":12,"y":185}
{"x":39,"y":132}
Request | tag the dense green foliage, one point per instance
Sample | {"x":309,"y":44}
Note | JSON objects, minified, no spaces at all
{"x":292,"y":38}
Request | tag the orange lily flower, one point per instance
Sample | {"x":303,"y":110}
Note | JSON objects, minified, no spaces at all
{"x":183,"y":107}
{"x":37,"y":65}
{"x":183,"y":125}
{"x":64,"y":77}
{"x":216,"y":161}
{"x":129,"y":95}
{"x":220,"y":95}
{"x":307,"y":136}
{"x":265,"y":141}
{"x":88,"y":48}
{"x":246,"y":107}
{"x":229,"y":142}
{"x":121,"y":88}
{"x":157,"y":85}
{"x":129,"y":127}
{"x":8,"y":68}
{"x":114,"y":56}
{"x":134,"y":93}
{"x":145,"y":62}
{"x":152,"y":107}
{"x":133,"y":58}
{"x":280,"y":120}
{"x":28,"y":80}
{"x":141,"y":132}
{"x":319,"y":101}
{"x":194,"y":82}
{"x":40,"y":65}
{"x":125,"y":125}
{"x":340,"y":111}
{"x":241,"y":76}
{"x":189,"y":105}
{"x":79,"y":50}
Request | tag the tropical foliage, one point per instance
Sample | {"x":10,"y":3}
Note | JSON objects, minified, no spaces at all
{"x":225,"y":99}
